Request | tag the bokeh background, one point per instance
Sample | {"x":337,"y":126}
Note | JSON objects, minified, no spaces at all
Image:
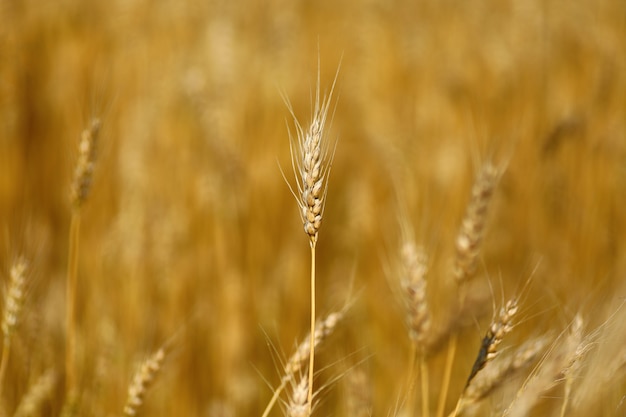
{"x":191,"y":236}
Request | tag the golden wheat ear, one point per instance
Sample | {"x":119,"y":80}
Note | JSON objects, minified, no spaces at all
{"x":142,"y":380}
{"x":13,"y":303}
{"x":311,"y":162}
{"x":296,"y":362}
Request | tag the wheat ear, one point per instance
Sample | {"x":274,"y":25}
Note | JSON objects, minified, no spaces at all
{"x":488,"y":380}
{"x":142,"y":380}
{"x":40,"y":391}
{"x":418,"y":318}
{"x":551,"y":371}
{"x":299,"y":404}
{"x":79,"y":192}
{"x":293,"y":367}
{"x":311,"y":162}
{"x":468,"y":243}
{"x":13,"y":304}
{"x":499,"y":328}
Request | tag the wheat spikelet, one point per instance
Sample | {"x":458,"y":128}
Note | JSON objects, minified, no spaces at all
{"x":142,"y":380}
{"x":40,"y":391}
{"x":472,"y":227}
{"x":83,"y":173}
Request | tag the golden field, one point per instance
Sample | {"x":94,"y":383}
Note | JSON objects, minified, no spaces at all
{"x":190,"y":238}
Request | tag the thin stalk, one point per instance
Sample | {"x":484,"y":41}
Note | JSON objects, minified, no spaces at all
{"x":445,"y":384}
{"x":425,"y":393}
{"x":277,"y":392}
{"x":312,"y":337}
{"x":72,"y":270}
{"x":411,"y":380}
{"x":5,"y":360}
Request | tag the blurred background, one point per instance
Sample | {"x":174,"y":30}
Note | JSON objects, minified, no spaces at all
{"x":191,"y":237}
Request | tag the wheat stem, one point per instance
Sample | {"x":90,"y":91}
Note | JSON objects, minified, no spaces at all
{"x":445,"y":384}
{"x":312,"y":338}
{"x":72,"y":270}
{"x":425,"y":393}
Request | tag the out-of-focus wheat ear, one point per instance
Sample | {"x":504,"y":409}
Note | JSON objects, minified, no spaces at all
{"x":295,"y":363}
{"x":79,"y":191}
{"x":83,"y":172}
{"x":323,"y":329}
{"x":413,"y":283}
{"x":497,"y":373}
{"x":13,"y":303}
{"x":34,"y":399}
{"x":497,"y":330}
{"x":468,"y":244}
{"x":358,"y":394}
{"x":550,"y":371}
{"x":470,"y":235}
{"x":414,"y":266}
{"x":142,"y":380}
{"x":570,"y":371}
{"x":298,"y":405}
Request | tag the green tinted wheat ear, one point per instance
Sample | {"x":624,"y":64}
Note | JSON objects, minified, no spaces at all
{"x":311,"y":162}
{"x":13,"y":304}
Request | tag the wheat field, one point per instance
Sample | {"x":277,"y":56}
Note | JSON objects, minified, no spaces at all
{"x":472,"y":255}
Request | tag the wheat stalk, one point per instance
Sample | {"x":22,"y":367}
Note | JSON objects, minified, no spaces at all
{"x":311,"y":163}
{"x":468,"y":243}
{"x":79,"y":191}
